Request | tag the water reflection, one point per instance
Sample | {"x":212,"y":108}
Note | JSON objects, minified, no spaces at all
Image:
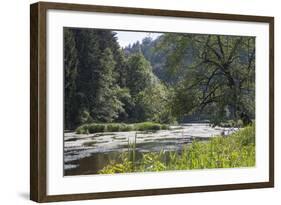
{"x":87,"y":154}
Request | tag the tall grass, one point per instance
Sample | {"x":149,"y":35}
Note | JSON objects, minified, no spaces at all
{"x":132,"y":150}
{"x":119,"y":127}
{"x":228,"y":123}
{"x":235,"y":150}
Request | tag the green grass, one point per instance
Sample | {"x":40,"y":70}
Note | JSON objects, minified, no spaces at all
{"x":119,"y":127}
{"x":236,"y":150}
{"x":144,"y":126}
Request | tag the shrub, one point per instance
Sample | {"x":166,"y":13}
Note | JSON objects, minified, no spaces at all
{"x":230,"y":123}
{"x":236,"y":150}
{"x":125,"y":127}
{"x":83,"y":129}
{"x":85,"y":117}
{"x":93,"y":128}
{"x":113,"y":127}
{"x":165,"y":127}
{"x":246,"y":136}
{"x":240,"y":123}
{"x":146,"y":126}
{"x":119,"y":127}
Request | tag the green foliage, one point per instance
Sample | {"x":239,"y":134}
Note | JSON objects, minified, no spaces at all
{"x":147,"y":126}
{"x":155,"y":104}
{"x":113,"y":127}
{"x":120,"y":127}
{"x":218,"y":80}
{"x":85,"y":117}
{"x":236,"y":150}
{"x":70,"y":74}
{"x":92,"y":62}
{"x":163,"y":80}
{"x":227,"y":123}
{"x":83,"y":129}
{"x":157,"y":57}
{"x":126,"y":127}
{"x":106,"y":106}
{"x":149,"y":97}
{"x":125,"y":167}
{"x":140,"y":74}
{"x":94,"y":128}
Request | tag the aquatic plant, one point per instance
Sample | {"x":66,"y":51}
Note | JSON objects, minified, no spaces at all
{"x":119,"y":127}
{"x":235,"y":150}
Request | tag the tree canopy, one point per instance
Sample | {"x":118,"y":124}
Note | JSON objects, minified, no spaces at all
{"x":220,"y":76}
{"x":171,"y":78}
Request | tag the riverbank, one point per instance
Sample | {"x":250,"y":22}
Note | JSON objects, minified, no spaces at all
{"x":89,"y":153}
{"x":120,"y":127}
{"x":236,"y":150}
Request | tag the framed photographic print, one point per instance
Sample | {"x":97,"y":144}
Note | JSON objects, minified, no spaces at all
{"x":134,"y":102}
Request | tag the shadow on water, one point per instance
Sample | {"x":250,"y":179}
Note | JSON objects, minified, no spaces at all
{"x":97,"y":161}
{"x":90,"y":154}
{"x":92,"y":164}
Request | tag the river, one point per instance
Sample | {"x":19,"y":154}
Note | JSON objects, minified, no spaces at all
{"x":88,"y":153}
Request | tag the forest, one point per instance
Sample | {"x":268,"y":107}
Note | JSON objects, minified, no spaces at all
{"x":174,"y":78}
{"x":175,"y":102}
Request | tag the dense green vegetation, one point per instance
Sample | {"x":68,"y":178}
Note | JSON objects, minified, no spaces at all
{"x":152,"y":84}
{"x":176,"y":77}
{"x":212,"y":77}
{"x":102,"y":85}
{"x":236,"y":150}
{"x":119,"y":127}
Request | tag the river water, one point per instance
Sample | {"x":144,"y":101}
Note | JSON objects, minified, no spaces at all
{"x":88,"y":153}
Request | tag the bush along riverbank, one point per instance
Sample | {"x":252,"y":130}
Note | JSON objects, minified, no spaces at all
{"x":235,"y":150}
{"x":119,"y":127}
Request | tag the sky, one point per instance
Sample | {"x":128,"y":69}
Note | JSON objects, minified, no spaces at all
{"x":125,"y":38}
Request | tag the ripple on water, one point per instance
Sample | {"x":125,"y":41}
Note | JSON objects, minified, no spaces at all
{"x":78,"y":147}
